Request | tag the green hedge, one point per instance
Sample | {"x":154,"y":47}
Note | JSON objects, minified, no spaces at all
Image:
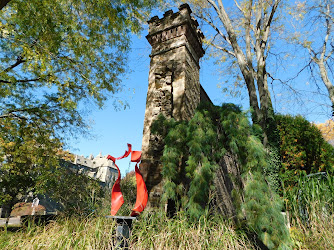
{"x":303,"y":149}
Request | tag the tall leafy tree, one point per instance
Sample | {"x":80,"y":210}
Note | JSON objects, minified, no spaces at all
{"x":54,"y":57}
{"x":55,"y":54}
{"x":327,"y":130}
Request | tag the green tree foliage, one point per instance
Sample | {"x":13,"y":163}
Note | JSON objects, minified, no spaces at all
{"x":303,"y":149}
{"x":32,"y":163}
{"x":55,"y":57}
{"x":23,"y":149}
{"x":192,"y":154}
{"x":55,"y":54}
{"x":75,"y":192}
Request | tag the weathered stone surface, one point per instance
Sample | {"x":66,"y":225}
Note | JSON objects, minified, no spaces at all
{"x":174,"y":89}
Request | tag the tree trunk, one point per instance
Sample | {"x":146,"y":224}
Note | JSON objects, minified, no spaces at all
{"x":255,"y":76}
{"x":267,"y":119}
{"x":326,"y":80}
{"x":253,"y":101}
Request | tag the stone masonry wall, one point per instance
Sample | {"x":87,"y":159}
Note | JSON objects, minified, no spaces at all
{"x":174,"y":89}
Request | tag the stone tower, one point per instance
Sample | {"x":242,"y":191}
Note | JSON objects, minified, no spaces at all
{"x":174,"y":88}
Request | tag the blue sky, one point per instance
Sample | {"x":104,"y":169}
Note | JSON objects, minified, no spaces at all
{"x":113,"y":129}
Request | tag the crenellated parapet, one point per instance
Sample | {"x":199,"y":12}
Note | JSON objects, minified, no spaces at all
{"x":167,"y":33}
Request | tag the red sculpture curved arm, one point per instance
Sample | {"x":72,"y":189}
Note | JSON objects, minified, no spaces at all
{"x":142,"y":195}
{"x":116,"y":195}
{"x":126,"y":154}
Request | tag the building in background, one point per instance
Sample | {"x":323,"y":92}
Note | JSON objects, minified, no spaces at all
{"x":98,"y":168}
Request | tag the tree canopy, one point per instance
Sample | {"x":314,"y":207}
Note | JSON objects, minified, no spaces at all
{"x":303,"y":149}
{"x":55,"y":58}
{"x":53,"y":55}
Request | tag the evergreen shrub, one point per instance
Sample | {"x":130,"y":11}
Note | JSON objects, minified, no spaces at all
{"x":190,"y":158}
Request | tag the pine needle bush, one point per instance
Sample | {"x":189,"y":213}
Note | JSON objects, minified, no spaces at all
{"x":263,"y":208}
{"x":191,"y":157}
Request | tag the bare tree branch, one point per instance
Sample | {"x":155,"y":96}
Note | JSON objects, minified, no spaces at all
{"x":213,"y":4}
{"x":214,"y":27}
{"x":13,"y":115}
{"x":248,"y":16}
{"x":328,"y":56}
{"x":19,"y":60}
{"x":328,"y":31}
{"x":238,"y":6}
{"x":23,"y":80}
{"x":271,"y":16}
{"x":223,"y":49}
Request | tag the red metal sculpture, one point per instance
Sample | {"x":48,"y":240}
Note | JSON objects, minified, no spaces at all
{"x":116,"y":194}
{"x":142,"y":196}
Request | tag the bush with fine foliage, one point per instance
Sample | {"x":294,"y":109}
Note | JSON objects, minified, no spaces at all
{"x":303,"y":149}
{"x":192,"y":152}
